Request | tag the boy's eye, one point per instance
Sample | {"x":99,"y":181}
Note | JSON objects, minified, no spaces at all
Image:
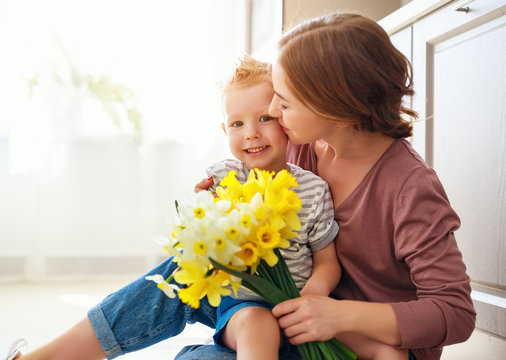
{"x":236,"y":124}
{"x":266,"y":118}
{"x":283,"y":107}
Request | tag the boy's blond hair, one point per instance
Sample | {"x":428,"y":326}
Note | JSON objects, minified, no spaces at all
{"x":249,"y":72}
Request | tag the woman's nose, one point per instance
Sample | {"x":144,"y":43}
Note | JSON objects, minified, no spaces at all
{"x":274,"y":107}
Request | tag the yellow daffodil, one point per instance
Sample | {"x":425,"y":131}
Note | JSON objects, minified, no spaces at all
{"x":283,"y":180}
{"x":269,"y":256}
{"x":268,"y":237}
{"x":200,"y":285}
{"x":248,"y":253}
{"x":230,"y":188}
{"x":238,"y":229}
{"x":252,"y":187}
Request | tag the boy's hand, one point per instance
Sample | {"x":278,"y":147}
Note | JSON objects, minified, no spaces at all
{"x":204,"y":184}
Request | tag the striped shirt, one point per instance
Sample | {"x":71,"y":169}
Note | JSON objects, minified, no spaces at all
{"x":318,"y":226}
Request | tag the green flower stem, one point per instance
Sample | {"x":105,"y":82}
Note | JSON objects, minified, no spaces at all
{"x":312,"y":351}
{"x":304,"y":351}
{"x":293,"y":291}
{"x":328,"y":352}
{"x":262,"y":287}
{"x":267,"y":289}
{"x":264,"y":272}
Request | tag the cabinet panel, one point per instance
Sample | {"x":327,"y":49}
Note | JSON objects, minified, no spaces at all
{"x":402,"y":40}
{"x":461,"y":60}
{"x":470,"y":143}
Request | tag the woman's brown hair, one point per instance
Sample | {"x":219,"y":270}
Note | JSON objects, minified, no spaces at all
{"x":344,"y":68}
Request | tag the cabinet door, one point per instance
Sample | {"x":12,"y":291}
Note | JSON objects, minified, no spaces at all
{"x":462,"y":57}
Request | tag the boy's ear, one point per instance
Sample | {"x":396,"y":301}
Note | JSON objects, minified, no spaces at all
{"x":224,"y":128}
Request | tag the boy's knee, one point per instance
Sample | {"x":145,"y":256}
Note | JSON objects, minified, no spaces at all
{"x":254,"y":314}
{"x":257,"y":319}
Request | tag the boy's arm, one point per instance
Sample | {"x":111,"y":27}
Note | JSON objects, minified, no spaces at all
{"x":204,"y":184}
{"x":326,"y":272}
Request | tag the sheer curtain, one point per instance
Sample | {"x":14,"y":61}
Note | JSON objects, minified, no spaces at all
{"x":110,"y":111}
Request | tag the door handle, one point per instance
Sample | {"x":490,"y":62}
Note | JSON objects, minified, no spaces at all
{"x":462,"y":7}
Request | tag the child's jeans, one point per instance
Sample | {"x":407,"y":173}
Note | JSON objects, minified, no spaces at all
{"x":140,"y":315}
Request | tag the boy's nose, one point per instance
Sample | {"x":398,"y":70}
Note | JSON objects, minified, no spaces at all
{"x":274,"y":107}
{"x":252,"y":135}
{"x":252,"y":132}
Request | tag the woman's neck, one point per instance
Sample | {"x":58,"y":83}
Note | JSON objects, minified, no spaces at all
{"x":348,"y":143}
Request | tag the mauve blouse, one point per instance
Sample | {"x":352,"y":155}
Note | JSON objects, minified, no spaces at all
{"x":396,"y":245}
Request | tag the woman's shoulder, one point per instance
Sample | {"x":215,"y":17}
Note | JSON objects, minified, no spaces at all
{"x":403,"y":170}
{"x":402,"y":159}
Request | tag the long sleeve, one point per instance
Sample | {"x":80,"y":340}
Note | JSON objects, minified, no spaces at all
{"x":424,"y":226}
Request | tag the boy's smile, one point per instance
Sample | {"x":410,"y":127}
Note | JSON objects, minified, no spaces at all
{"x":254,"y":137}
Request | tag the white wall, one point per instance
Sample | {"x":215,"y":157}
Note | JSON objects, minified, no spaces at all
{"x":77,"y":198}
{"x":98,"y":218}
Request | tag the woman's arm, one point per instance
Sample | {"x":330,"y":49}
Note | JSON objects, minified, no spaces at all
{"x":326,"y":272}
{"x":311,"y":318}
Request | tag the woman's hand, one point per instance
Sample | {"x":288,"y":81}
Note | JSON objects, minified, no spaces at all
{"x":319,"y":318}
{"x":308,"y":318}
{"x":204,"y":184}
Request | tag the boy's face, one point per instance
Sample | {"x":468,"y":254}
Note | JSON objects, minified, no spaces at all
{"x":254,"y":137}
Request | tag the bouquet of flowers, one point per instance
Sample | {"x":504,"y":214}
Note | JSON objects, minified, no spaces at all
{"x":231,"y":240}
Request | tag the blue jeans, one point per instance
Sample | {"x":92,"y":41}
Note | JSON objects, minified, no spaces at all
{"x":140,"y":315}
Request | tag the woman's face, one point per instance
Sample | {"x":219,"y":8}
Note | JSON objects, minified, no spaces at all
{"x":299,"y":123}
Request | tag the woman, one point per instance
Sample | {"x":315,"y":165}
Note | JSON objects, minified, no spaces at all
{"x":401,"y":264}
{"x":339,"y":84}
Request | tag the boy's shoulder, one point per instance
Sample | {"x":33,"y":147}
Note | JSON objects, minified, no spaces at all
{"x":227,"y":164}
{"x":300,"y":173}
{"x":222,"y":168}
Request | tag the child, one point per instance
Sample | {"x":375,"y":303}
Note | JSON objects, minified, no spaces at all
{"x":257,"y":140}
{"x":246,"y":324}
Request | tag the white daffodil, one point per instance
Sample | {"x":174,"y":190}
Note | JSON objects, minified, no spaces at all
{"x":196,"y":246}
{"x":230,"y":224}
{"x":199,"y":207}
{"x":168,"y":288}
{"x":224,"y":248}
{"x":248,"y":218}
{"x":222,"y":206}
{"x":258,"y":208}
{"x":168,"y":244}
